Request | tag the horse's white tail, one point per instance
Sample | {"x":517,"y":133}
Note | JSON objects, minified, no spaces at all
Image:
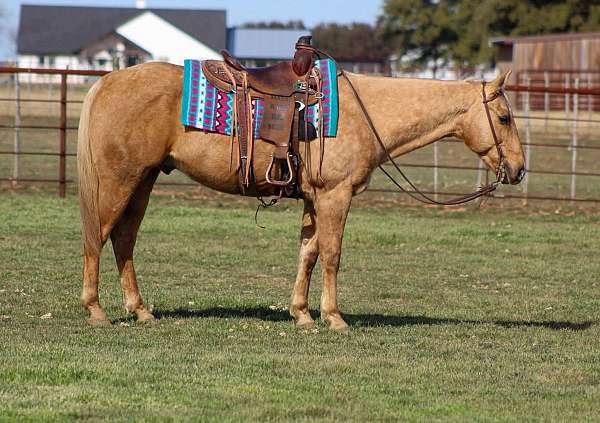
{"x":88,"y":179}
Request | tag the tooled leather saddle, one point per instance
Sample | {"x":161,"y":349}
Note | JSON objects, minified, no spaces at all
{"x":281,"y":86}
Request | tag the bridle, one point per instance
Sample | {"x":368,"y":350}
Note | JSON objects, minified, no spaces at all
{"x":417,"y":194}
{"x":501,"y":168}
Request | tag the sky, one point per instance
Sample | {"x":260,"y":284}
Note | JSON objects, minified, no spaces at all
{"x":311,"y":12}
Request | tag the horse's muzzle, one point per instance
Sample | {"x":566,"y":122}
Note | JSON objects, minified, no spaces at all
{"x":514,"y":176}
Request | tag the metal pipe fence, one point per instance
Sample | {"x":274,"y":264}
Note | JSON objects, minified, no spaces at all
{"x":62,"y":127}
{"x":566,"y":135}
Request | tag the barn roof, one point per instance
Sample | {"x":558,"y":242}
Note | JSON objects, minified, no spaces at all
{"x":572,"y":36}
{"x":67,"y":29}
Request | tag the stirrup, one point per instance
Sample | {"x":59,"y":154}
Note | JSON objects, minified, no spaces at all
{"x":280,"y":183}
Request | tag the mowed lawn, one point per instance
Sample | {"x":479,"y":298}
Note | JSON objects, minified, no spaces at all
{"x":461,"y":315}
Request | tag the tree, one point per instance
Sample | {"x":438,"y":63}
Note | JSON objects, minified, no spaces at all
{"x":276,"y":25}
{"x":459,"y":30}
{"x":421,"y":29}
{"x":353,"y":42}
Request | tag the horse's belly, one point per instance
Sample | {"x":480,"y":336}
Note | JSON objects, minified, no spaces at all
{"x":206,"y":159}
{"x":212,"y":160}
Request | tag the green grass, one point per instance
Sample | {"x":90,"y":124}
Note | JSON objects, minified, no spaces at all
{"x":460,"y":315}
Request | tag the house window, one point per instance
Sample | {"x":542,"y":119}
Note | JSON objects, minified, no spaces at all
{"x":41,"y":60}
{"x":133,"y":60}
{"x":102,"y":62}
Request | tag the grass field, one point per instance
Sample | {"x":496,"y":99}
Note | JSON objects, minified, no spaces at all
{"x":462,"y":315}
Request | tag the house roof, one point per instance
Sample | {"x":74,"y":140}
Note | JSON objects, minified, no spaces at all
{"x":264,"y":43}
{"x":545,"y":38}
{"x":67,"y":29}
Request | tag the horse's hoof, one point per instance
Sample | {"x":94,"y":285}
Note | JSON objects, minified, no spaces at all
{"x":97,"y":317}
{"x":146,"y":318}
{"x":336,"y":324}
{"x":148,"y":322}
{"x":343,"y":329}
{"x":305,"y":323}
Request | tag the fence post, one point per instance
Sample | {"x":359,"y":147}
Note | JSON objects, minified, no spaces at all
{"x":574,"y":140}
{"x":50,"y":82}
{"x":567,"y":83}
{"x":590,"y":100}
{"x":63,"y":136}
{"x":17,"y":143}
{"x":435,"y":170}
{"x":527,"y":140}
{"x":479,"y":174}
{"x":546,"y":101}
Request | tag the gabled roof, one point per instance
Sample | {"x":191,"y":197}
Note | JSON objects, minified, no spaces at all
{"x":267,"y":43}
{"x":571,"y":36}
{"x":67,"y":30}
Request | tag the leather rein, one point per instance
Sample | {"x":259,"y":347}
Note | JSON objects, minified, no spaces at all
{"x":417,"y":194}
{"x":424,"y":198}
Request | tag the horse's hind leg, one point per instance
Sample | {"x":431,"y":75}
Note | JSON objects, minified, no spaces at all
{"x":89,"y":295}
{"x":106,"y":213}
{"x":123,"y":237}
{"x":309,"y":252}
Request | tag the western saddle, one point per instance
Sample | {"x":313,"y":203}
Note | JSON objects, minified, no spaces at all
{"x":281,"y":87}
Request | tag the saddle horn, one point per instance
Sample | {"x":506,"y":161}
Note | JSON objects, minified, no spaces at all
{"x":304,"y":56}
{"x":232,"y":61}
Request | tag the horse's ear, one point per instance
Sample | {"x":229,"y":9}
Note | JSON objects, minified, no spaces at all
{"x":494,"y":87}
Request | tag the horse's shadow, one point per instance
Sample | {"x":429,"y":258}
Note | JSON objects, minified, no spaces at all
{"x":362,"y":320}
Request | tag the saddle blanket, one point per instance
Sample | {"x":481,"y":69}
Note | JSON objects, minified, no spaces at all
{"x":210,"y":109}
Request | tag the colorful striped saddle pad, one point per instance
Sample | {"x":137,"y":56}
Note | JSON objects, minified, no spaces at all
{"x":210,"y":109}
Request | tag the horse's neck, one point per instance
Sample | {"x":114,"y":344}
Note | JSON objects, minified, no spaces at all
{"x":411,"y":113}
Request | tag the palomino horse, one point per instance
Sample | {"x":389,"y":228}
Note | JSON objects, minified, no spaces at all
{"x":130,"y":130}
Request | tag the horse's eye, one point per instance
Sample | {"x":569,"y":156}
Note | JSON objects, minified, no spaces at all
{"x":504,"y":120}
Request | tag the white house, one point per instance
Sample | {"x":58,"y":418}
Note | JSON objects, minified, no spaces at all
{"x":103,"y":38}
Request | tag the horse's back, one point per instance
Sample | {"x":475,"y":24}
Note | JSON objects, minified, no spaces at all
{"x":140,"y":85}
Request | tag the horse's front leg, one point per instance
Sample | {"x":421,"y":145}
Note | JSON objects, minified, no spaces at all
{"x":332,"y":209}
{"x":309,"y":252}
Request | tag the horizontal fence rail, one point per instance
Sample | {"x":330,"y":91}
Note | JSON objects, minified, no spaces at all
{"x":532,"y":97}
